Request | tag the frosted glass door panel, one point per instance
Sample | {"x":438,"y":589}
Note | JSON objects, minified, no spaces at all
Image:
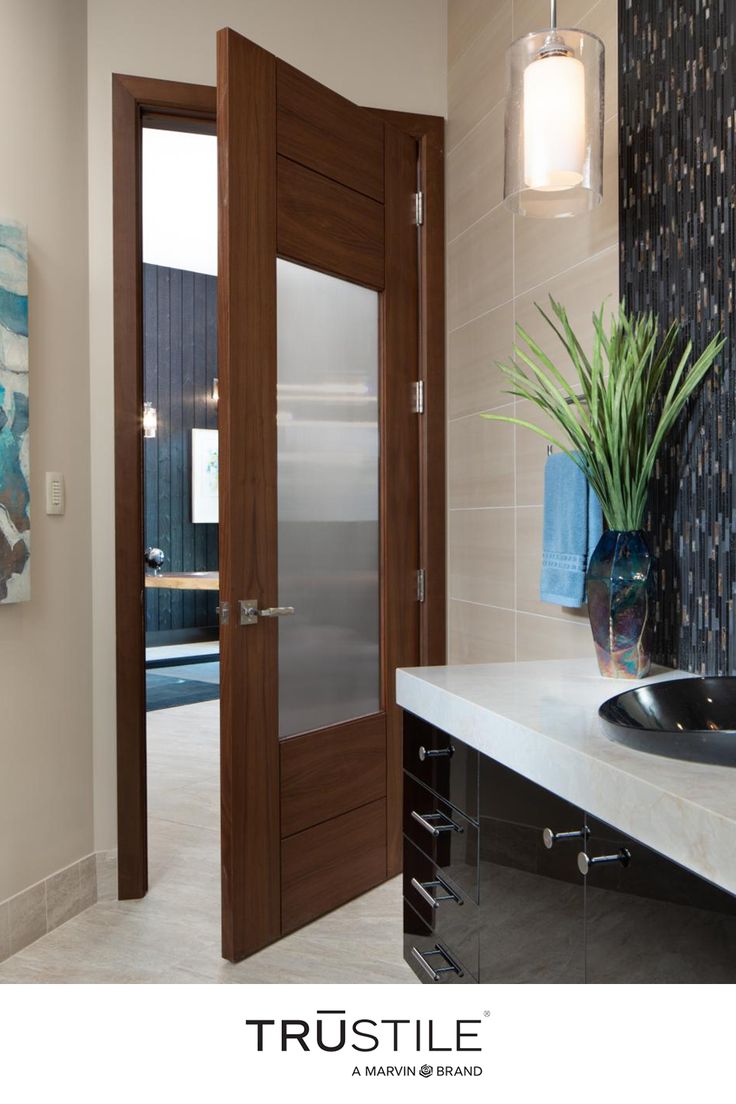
{"x":328,"y":448}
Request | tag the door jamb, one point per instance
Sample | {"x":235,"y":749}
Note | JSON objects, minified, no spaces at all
{"x":132,"y":97}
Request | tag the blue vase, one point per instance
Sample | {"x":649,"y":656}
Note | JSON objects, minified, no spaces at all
{"x":621,"y":594}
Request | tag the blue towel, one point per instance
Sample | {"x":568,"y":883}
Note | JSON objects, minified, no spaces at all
{"x":573,"y":523}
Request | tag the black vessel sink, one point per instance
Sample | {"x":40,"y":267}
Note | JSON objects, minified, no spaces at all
{"x":688,"y":718}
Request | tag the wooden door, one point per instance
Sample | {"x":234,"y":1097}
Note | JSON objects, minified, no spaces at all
{"x":317,"y":235}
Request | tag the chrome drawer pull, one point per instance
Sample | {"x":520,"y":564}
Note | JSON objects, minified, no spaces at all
{"x":422,"y":956}
{"x":433,"y":901}
{"x":438,"y":753}
{"x":435,"y":829}
{"x":623,"y":856}
{"x":550,"y":838}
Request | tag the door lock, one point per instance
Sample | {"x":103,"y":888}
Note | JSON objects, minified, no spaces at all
{"x":249,"y":611}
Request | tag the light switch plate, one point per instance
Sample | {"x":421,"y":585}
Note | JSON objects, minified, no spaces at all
{"x":55,"y":495}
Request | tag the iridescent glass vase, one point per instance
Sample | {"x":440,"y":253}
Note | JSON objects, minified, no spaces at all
{"x":621,"y":591}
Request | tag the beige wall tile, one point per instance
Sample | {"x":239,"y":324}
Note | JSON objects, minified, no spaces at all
{"x":529,"y":525}
{"x":4,"y":931}
{"x":480,"y":459}
{"x":481,"y":556}
{"x":533,"y":15}
{"x":473,"y":381}
{"x":531,"y":455}
{"x":480,"y":634}
{"x":87,"y":881}
{"x":465,"y":21}
{"x":542,"y":249}
{"x":476,"y":82}
{"x":62,"y":896}
{"x":480,"y":268}
{"x":475,"y":173}
{"x":27,"y":917}
{"x":581,"y":291}
{"x":550,"y":638}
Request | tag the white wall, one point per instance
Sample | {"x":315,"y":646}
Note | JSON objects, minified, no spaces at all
{"x":46,"y":644}
{"x":385,"y":53}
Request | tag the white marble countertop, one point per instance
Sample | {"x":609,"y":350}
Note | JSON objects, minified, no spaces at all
{"x":541,"y":719}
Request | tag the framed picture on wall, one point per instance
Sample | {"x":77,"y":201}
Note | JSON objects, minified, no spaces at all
{"x":205,"y":477}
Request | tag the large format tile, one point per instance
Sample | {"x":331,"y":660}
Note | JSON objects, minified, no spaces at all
{"x":602,"y":20}
{"x":533,"y":15}
{"x":553,"y":638}
{"x":531,"y":453}
{"x":480,"y":268}
{"x":481,"y":463}
{"x":474,"y":173}
{"x":474,"y":382}
{"x":4,"y":931}
{"x":480,"y":634}
{"x":546,"y":250}
{"x":62,"y":896}
{"x":465,"y":21}
{"x":481,"y":556}
{"x":476,"y":81}
{"x":529,"y":528}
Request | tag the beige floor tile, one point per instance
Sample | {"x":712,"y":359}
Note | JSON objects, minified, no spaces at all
{"x":550,"y":638}
{"x":481,"y":463}
{"x":480,"y":634}
{"x":543,"y":249}
{"x":475,"y":82}
{"x":474,"y":382}
{"x":480,"y":268}
{"x":474,"y":173}
{"x":481,"y":556}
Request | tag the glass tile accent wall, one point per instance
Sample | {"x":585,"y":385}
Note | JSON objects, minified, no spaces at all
{"x":678,"y":257}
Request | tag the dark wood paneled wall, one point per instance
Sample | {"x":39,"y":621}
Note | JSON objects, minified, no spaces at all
{"x":677,"y":99}
{"x":179,"y":365}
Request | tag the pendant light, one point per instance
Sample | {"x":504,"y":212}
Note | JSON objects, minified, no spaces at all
{"x":554,"y":122}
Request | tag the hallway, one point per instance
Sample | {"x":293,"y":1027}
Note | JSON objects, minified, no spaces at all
{"x":173,"y":935}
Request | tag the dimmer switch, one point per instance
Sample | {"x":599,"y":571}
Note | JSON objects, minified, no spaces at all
{"x":55,"y":497}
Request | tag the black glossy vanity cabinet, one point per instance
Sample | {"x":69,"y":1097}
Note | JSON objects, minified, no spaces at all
{"x":506,"y":882}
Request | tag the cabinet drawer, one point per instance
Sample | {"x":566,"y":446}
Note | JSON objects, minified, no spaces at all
{"x":451,"y":915}
{"x":430,"y":958}
{"x":444,"y":764}
{"x":445,"y":836}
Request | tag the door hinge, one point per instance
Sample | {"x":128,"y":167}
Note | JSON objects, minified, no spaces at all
{"x":417,"y":402}
{"x":421,"y":584}
{"x":223,"y":612}
{"x":419,"y":208}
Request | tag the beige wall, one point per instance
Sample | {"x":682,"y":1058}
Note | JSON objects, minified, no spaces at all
{"x":498,"y":267}
{"x":46,"y":644}
{"x":387,"y":53}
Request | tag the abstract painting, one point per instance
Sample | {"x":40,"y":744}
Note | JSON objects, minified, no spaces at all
{"x":205,"y":476}
{"x":15,"y":495}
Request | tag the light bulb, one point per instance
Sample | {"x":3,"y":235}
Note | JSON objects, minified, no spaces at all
{"x":554,"y":123}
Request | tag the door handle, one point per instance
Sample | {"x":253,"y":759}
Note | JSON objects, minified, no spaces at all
{"x":249,"y":611}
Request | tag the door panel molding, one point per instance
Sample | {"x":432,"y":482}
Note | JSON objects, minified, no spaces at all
{"x":329,"y":227}
{"x":350,"y":151}
{"x":333,"y":770}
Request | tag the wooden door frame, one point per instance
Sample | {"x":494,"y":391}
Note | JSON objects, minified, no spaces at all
{"x":190,"y":103}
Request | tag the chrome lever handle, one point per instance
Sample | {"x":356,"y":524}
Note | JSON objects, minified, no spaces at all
{"x":435,"y":829}
{"x":249,"y":611}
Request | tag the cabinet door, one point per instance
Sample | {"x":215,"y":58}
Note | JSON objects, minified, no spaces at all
{"x":648,"y":920}
{"x":531,"y":896}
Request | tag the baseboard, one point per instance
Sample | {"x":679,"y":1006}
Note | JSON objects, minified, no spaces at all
{"x":36,"y":911}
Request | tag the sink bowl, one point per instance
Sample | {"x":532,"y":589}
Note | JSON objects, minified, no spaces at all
{"x":688,"y":718}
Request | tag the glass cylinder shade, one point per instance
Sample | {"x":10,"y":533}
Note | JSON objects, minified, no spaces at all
{"x":554,"y":124}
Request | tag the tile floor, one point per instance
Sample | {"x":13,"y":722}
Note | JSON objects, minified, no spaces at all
{"x":173,"y":935}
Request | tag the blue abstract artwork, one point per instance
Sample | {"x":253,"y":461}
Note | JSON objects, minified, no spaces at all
{"x":15,"y":496}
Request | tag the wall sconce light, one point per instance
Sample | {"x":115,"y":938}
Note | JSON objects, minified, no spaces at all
{"x":215,"y":390}
{"x":150,"y":420}
{"x":554,"y":122}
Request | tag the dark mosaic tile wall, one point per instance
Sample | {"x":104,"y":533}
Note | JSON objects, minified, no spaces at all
{"x":678,"y":258}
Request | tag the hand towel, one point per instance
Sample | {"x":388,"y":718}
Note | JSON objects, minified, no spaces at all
{"x":573,"y":523}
